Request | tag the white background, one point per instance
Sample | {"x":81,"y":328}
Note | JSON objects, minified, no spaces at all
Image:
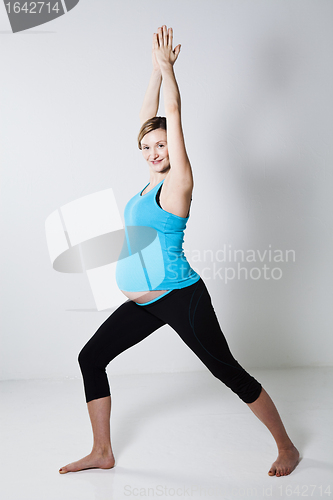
{"x":255,"y":79}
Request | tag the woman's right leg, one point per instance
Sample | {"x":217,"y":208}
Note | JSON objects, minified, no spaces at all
{"x":101,"y":455}
{"x":125,"y":327}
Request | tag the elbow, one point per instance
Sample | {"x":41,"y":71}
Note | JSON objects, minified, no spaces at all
{"x":173,"y":108}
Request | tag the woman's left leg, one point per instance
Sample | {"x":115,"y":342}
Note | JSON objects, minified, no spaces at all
{"x":288,"y":457}
{"x":189,"y":311}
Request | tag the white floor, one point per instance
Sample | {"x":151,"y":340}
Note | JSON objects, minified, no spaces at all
{"x":182,"y":435}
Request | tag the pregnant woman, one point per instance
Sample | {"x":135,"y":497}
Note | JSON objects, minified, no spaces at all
{"x":164,"y":289}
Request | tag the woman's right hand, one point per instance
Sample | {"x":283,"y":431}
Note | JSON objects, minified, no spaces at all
{"x":156,"y":66}
{"x":162,"y":47}
{"x":162,"y":31}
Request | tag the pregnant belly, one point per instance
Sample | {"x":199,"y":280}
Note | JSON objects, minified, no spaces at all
{"x":141,"y":297}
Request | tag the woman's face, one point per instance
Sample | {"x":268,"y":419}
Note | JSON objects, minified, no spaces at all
{"x":154,"y":148}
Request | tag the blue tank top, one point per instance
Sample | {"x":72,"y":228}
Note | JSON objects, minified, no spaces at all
{"x":152,"y":257}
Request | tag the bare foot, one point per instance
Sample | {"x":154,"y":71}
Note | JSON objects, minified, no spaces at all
{"x":286,"y":462}
{"x":92,"y":461}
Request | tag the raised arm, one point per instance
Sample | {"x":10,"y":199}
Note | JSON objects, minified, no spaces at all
{"x":152,"y":97}
{"x":180,"y":180}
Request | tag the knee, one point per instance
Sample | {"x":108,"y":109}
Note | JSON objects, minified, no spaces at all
{"x":241,"y":383}
{"x":247,"y":388}
{"x":254,"y":395}
{"x":85,"y":358}
{"x":92,"y":358}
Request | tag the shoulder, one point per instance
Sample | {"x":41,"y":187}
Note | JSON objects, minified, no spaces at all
{"x":176,"y":194}
{"x":179,"y":182}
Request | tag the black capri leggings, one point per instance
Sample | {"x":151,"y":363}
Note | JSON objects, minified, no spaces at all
{"x":189,"y":311}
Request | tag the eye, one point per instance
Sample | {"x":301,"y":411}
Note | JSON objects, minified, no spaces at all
{"x":162,"y":145}
{"x":145,"y":147}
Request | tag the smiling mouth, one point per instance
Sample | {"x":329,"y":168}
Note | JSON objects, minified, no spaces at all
{"x":156,"y":161}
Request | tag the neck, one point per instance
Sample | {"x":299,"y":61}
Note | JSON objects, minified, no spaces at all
{"x":155,"y":178}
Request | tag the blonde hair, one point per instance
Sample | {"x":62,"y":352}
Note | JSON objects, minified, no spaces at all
{"x":149,"y":125}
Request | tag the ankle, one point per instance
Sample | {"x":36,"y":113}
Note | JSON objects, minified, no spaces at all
{"x":102,"y":450}
{"x":286,"y":446}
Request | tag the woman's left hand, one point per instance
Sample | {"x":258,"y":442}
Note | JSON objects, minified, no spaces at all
{"x":162,"y":47}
